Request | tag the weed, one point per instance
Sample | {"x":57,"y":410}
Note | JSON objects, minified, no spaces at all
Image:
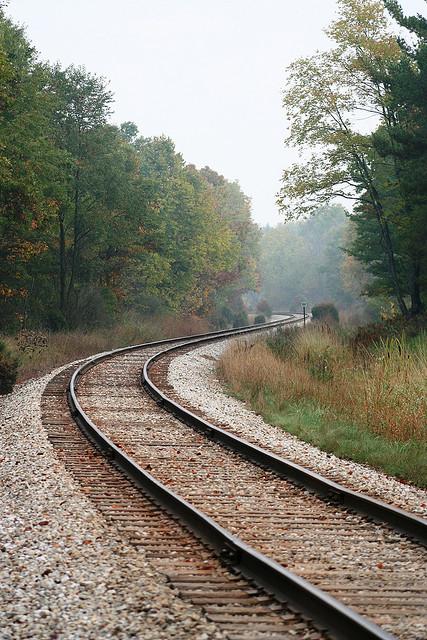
{"x":371,"y":402}
{"x":40,"y":353}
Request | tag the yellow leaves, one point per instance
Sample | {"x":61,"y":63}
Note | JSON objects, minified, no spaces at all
{"x":362,"y":32}
{"x":7,"y":292}
{"x":53,"y":205}
{"x":26,"y":251}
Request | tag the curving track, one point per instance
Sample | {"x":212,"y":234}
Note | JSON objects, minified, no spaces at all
{"x":376,"y":571}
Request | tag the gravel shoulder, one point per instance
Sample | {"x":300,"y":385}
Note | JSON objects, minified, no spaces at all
{"x":65,"y":574}
{"x":193,"y":377}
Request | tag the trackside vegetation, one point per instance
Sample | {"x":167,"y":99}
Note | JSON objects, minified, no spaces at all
{"x":33,"y":353}
{"x":359,"y":395}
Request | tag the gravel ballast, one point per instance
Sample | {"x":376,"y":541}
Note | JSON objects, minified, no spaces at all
{"x":193,"y":377}
{"x":65,"y":574}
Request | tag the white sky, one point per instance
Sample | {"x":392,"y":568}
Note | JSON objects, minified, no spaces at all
{"x":207,"y":73}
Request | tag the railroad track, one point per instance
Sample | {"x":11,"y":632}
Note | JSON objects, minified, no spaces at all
{"x":378,"y":572}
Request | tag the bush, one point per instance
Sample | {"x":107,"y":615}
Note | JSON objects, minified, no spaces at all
{"x":240,"y":320}
{"x":263,"y":307}
{"x":374,"y":333}
{"x":325,"y":313}
{"x":222,"y":318}
{"x":259,"y":319}
{"x":282,"y":342}
{"x":8,"y":370}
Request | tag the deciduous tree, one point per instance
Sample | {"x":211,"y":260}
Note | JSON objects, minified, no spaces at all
{"x":328,"y":99}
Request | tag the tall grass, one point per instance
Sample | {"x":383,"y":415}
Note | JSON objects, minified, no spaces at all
{"x":375,"y":395}
{"x":39,"y":352}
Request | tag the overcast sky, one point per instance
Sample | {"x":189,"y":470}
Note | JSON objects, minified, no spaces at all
{"x":207,"y":73}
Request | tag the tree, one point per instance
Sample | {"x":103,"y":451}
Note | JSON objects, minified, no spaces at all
{"x":327,"y":93}
{"x":205,"y":231}
{"x":304,"y":258}
{"x":282,"y":255}
{"x":233,"y":207}
{"x":82,"y":109}
{"x":93,"y":218}
{"x":407,"y":146}
{"x":28,"y":159}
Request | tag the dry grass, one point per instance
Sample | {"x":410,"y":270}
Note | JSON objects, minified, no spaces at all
{"x":39,"y":352}
{"x":383,"y":390}
{"x":369,"y":407}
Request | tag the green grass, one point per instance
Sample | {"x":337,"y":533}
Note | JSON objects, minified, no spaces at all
{"x":404,"y":460}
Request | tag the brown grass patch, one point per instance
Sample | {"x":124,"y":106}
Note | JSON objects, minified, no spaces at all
{"x":39,"y":352}
{"x":383,"y":391}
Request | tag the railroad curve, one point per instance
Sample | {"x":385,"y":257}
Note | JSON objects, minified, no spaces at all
{"x":376,"y":571}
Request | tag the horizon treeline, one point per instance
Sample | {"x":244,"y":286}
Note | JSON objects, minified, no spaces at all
{"x":95,"y":218}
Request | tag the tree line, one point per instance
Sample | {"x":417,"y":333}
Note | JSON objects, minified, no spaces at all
{"x":359,"y":114}
{"x":95,"y":218}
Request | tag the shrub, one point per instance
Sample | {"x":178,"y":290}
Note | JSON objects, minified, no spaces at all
{"x":259,"y":319}
{"x":374,"y":333}
{"x":240,"y":320}
{"x":326,"y":313}
{"x":222,"y":318}
{"x":282,"y":342}
{"x":227,"y":314}
{"x":263,"y":307}
{"x":8,"y":370}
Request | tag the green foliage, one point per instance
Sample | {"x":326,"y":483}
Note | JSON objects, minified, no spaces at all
{"x":282,"y":342}
{"x":260,"y":319}
{"x":28,"y":158}
{"x":351,"y":441}
{"x":95,"y":220}
{"x":366,"y":405}
{"x":368,"y":71}
{"x":222,"y":317}
{"x":8,"y":370}
{"x":325,"y":313}
{"x":321,"y":367}
{"x":392,"y":328}
{"x":240,"y":319}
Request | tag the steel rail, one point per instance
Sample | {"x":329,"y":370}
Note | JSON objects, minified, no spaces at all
{"x":380,"y":512}
{"x":287,"y":587}
{"x":213,"y":335}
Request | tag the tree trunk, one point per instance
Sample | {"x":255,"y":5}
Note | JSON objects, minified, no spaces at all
{"x":74,"y":256}
{"x":417,"y":305}
{"x":367,"y":179}
{"x":392,"y":265}
{"x":62,"y":265}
